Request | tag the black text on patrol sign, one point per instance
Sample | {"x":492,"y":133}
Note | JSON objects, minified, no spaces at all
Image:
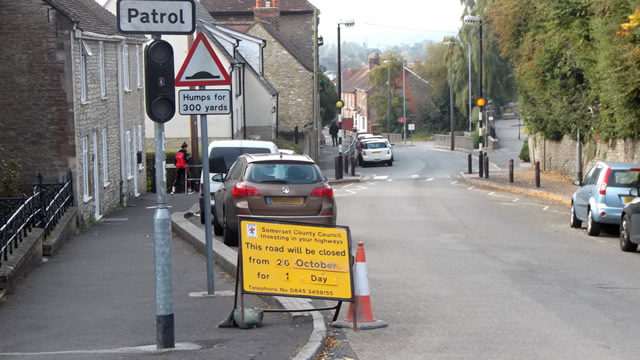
{"x":159,"y":81}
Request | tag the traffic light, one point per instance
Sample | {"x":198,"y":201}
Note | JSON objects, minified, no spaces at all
{"x":159,"y":80}
{"x":339,"y":104}
{"x":481,"y":102}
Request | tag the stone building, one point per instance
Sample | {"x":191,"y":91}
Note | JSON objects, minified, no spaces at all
{"x":74,"y":100}
{"x":287,"y":27}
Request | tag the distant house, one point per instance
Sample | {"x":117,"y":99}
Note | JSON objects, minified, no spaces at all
{"x":75,"y":100}
{"x":357,"y":89}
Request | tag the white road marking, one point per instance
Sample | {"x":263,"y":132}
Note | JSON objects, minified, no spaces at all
{"x":381,"y":177}
{"x":429,"y":179}
{"x":454,"y":182}
{"x":199,"y":294}
{"x":516,"y":200}
{"x":415,"y":176}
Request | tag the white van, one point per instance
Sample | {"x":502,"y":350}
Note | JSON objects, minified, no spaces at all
{"x":221,"y":155}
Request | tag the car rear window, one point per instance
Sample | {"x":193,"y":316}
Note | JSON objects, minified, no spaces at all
{"x":375,"y":145}
{"x":624,"y":178}
{"x":283,"y":173}
{"x":221,"y":158}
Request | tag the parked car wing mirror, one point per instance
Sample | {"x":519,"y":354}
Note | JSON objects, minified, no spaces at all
{"x":577,"y":182}
{"x":633,"y":192}
{"x":217,"y":178}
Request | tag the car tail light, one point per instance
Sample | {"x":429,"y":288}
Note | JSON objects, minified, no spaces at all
{"x":240,"y":191}
{"x":364,"y":152}
{"x":202,"y":190}
{"x":325,"y":191}
{"x":605,"y":182}
{"x":388,"y":151}
{"x":603,"y":214}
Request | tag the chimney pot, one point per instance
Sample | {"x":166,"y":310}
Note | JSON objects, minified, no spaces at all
{"x":257,"y":3}
{"x":275,"y":3}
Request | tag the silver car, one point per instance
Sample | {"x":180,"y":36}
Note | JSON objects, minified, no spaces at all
{"x":602,"y":195}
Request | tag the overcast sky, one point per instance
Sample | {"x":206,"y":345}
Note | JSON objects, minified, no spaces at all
{"x":389,"y":22}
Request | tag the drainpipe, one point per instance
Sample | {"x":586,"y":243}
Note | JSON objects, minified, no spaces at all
{"x":123,"y":177}
{"x":244,"y":107}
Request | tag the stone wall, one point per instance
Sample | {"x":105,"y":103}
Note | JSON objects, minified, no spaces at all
{"x":560,"y":155}
{"x":293,"y":81}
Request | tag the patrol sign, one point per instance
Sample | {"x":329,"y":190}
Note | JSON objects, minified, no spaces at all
{"x":292,"y":259}
{"x":156,"y":16}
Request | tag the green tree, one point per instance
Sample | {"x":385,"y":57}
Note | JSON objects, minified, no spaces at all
{"x":392,"y":69}
{"x":328,"y":98}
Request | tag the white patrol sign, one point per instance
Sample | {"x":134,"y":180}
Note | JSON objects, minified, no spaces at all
{"x":204,"y":102}
{"x":156,"y":16}
{"x":202,"y":67}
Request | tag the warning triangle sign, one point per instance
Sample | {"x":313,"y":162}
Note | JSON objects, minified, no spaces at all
{"x":202,"y":66}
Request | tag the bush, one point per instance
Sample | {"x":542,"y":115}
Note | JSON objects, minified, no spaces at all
{"x":151,"y":170}
{"x":286,"y":144}
{"x":524,"y":152}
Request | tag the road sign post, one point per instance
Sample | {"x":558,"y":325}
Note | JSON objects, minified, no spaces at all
{"x":201,"y":68}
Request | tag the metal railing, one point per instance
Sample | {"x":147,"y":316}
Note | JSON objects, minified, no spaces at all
{"x":187,"y":176}
{"x":43,"y":209}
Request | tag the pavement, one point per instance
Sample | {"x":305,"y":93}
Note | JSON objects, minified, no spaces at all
{"x":95,"y":297}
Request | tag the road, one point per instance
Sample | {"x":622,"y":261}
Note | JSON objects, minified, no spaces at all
{"x":462,"y":272}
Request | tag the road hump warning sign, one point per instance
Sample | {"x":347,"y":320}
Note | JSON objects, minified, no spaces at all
{"x":202,"y":67}
{"x":294,"y":259}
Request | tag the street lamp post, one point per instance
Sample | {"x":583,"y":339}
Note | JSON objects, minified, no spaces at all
{"x":347,"y":23}
{"x":469,"y":19}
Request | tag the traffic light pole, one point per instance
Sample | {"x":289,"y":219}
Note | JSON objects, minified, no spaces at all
{"x":165,"y":328}
{"x":206,"y":192}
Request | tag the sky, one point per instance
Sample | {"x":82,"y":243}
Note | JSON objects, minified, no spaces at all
{"x":381,"y":23}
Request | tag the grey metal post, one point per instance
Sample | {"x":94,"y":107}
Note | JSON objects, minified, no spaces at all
{"x":579,"y":158}
{"x":470,"y":126}
{"x":206,"y":192}
{"x":451,"y":108}
{"x":165,"y":331}
{"x":404,"y":107}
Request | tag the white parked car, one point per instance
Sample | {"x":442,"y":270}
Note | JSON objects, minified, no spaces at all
{"x":221,"y":155}
{"x":376,"y":151}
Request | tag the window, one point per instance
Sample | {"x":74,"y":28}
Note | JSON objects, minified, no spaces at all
{"x":138,"y":68}
{"x":85,"y":51}
{"x":85,"y":168}
{"x":125,"y":66}
{"x":140,"y":148}
{"x":103,"y":81}
{"x":105,"y":159}
{"x":238,"y":74}
{"x":128,"y":153}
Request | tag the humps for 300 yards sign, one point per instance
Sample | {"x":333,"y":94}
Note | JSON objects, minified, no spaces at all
{"x":280,"y":258}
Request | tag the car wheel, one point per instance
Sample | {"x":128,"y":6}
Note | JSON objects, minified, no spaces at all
{"x":217,"y":228}
{"x":593,"y":228}
{"x":625,"y":242}
{"x":229,"y":237}
{"x":573,"y":221}
{"x":390,"y":162}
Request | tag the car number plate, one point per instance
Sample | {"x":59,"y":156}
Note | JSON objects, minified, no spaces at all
{"x":377,"y":152}
{"x":285,"y":200}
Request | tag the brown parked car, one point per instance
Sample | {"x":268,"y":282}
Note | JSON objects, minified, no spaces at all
{"x":272,"y":186}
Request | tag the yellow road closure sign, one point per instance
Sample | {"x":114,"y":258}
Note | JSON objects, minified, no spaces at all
{"x":294,"y":259}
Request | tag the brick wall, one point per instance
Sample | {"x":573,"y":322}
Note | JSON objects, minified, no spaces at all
{"x":560,"y":155}
{"x":293,"y":82}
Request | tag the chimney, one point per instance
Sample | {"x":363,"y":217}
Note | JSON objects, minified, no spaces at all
{"x":258,"y":4}
{"x":268,"y":14}
{"x":373,"y":60}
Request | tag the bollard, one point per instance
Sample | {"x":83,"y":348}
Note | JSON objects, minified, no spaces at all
{"x":486,"y":166}
{"x":537,"y":173}
{"x":480,"y":160}
{"x":469,"y":162}
{"x":338,"y":168}
{"x":346,"y":164}
{"x":511,"y":171}
{"x":353,"y":166}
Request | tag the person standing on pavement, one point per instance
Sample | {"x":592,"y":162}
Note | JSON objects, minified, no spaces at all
{"x":182,"y":165}
{"x":333,"y":130}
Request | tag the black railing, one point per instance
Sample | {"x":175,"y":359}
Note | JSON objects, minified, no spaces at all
{"x":43,"y":209}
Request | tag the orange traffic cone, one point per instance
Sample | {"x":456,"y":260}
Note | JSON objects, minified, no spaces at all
{"x":365,"y":319}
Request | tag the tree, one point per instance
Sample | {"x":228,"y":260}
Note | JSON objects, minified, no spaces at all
{"x":379,"y":100}
{"x":328,"y":98}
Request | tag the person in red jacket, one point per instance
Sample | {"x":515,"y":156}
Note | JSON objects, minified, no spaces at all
{"x":182,"y":164}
